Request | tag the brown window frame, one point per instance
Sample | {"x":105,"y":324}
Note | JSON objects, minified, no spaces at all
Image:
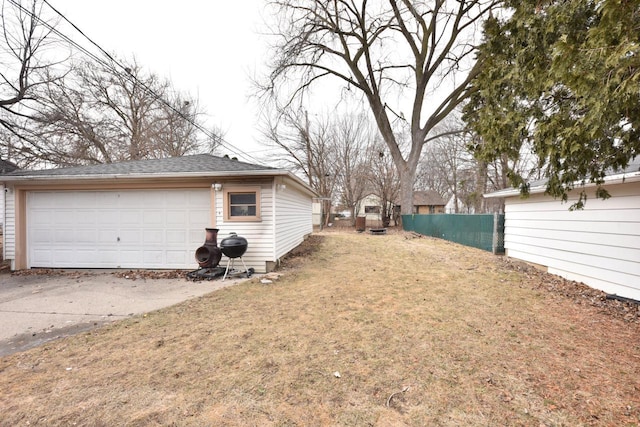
{"x":228,"y":192}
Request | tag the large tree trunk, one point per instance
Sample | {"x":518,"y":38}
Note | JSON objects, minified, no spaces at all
{"x":407,"y":178}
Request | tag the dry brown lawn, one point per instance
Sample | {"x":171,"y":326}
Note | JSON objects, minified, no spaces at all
{"x":364,"y":331}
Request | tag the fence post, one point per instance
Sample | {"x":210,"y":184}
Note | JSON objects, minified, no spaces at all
{"x":494,"y":242}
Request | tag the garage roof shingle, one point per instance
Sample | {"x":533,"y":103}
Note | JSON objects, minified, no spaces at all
{"x":173,"y":165}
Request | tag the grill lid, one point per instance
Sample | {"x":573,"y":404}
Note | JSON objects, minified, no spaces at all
{"x":234,"y":246}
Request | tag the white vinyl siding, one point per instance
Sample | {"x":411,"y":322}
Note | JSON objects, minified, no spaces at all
{"x":293,"y":218}
{"x":259,"y":233}
{"x":9,"y":237}
{"x":2,"y":196}
{"x":599,"y":245}
{"x":285,"y":219}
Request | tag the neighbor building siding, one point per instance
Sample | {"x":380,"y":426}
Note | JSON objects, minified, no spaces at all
{"x":599,"y":245}
{"x":293,"y":215}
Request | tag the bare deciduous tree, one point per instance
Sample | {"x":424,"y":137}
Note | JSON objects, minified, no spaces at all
{"x":385,"y":182}
{"x":448,"y":167}
{"x":25,"y":60}
{"x":396,"y":54}
{"x":307,"y":148}
{"x":353,"y":137}
{"x":96,"y":114}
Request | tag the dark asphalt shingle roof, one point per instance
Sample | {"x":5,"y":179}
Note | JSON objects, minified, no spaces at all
{"x":187,"y":164}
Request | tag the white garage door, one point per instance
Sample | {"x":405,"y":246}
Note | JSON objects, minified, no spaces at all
{"x":116,"y":229}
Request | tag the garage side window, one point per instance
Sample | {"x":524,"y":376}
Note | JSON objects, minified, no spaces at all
{"x":242,"y":204}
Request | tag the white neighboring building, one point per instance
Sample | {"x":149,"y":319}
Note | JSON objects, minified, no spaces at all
{"x":599,"y":245}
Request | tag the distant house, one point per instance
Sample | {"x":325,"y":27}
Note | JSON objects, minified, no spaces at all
{"x":428,"y":202}
{"x":151,"y":213}
{"x":371,"y":209}
{"x":599,"y":245}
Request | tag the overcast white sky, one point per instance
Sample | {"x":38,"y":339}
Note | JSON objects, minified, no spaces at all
{"x":206,"y":48}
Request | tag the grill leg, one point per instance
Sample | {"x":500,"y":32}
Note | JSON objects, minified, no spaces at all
{"x":230,"y":262}
{"x":246,"y":270}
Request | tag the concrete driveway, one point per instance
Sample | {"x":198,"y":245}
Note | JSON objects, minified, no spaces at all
{"x":37,"y":308}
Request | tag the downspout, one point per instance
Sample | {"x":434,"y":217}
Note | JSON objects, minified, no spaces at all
{"x":274,"y":224}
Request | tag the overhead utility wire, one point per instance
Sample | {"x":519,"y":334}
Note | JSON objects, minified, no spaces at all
{"x":223,"y":142}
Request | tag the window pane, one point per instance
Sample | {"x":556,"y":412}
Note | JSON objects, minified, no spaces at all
{"x":372,"y":209}
{"x":240,"y":210}
{"x":243,"y":198}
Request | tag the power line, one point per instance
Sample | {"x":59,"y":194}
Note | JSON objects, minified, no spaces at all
{"x":126,"y":69}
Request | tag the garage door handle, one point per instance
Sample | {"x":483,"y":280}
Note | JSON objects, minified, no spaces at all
{"x":118,"y":239}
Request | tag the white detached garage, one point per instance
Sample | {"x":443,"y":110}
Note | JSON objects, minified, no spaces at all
{"x":151,"y":213}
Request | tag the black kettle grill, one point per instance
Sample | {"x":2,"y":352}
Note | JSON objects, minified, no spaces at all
{"x":234,"y":247}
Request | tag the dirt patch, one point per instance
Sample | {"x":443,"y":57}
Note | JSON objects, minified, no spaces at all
{"x":368,"y":330}
{"x":296,"y":257}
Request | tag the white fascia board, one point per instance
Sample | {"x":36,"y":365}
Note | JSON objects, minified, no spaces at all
{"x":611,"y":179}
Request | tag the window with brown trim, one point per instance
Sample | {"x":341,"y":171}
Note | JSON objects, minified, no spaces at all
{"x":242,"y":204}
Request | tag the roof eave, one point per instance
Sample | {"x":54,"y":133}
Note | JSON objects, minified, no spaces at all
{"x":157,"y":176}
{"x":611,"y":179}
{"x":164,"y":175}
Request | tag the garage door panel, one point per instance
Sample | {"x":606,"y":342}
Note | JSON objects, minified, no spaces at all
{"x":154,"y":258}
{"x":62,"y":217}
{"x":198,"y":217}
{"x":180,"y":258}
{"x":65,"y":256}
{"x":86,"y":236}
{"x":107,"y":217}
{"x":111,"y":229}
{"x":134,"y":198}
{"x":64,"y":235}
{"x":106,"y":258}
{"x":42,"y":257}
{"x":130,"y":216}
{"x":175,"y":217}
{"x":153,"y":217}
{"x":42,"y":217}
{"x":43,"y":236}
{"x":129,"y":258}
{"x":131,"y":236}
{"x":179,"y":198}
{"x":107,"y":236}
{"x":85,"y":218}
{"x":152,"y":237}
{"x":176,"y":236}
